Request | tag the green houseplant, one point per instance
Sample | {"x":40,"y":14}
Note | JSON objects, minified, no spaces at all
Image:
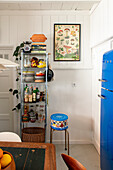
{"x":16,"y":92}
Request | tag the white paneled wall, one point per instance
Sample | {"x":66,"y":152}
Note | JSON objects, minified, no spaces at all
{"x":4,"y":29}
{"x":101,"y":33}
{"x":101,"y":22}
{"x":18,"y":26}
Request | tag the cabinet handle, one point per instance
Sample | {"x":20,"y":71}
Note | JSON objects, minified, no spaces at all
{"x":102,"y":97}
{"x":102,"y":80}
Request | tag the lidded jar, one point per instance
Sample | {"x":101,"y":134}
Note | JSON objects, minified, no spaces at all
{"x":27,"y":63}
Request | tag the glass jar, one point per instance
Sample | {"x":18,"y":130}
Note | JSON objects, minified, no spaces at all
{"x":33,"y":119}
{"x":26,"y":61}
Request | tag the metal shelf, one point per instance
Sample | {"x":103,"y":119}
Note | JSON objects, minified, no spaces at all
{"x":35,"y":53}
{"x":40,"y":124}
{"x":34,"y":122}
{"x":40,"y":102}
{"x":38,"y":84}
{"x":33,"y":82}
{"x":32,"y":68}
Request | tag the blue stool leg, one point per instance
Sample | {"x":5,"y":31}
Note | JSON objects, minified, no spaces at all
{"x":68,"y":142}
{"x":66,"y":132}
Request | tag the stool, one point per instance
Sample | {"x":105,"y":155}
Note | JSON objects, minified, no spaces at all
{"x":59,"y":123}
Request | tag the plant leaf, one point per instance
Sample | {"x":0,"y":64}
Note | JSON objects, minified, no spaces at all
{"x":22,"y":45}
{"x":15,"y":92}
{"x":13,"y":109}
{"x":17,"y":48}
{"x":17,"y":96}
{"x":17,"y":79}
{"x":10,"y":90}
{"x":18,"y":106}
{"x":15,"y":53}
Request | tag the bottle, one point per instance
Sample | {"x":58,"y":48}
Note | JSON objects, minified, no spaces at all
{"x":25,"y":116}
{"x":25,"y":109}
{"x":37,"y":110}
{"x":30,"y":95}
{"x":31,"y":88}
{"x":26,"y":97}
{"x":39,"y":118}
{"x":43,"y":117}
{"x":25,"y":87}
{"x":34,"y":95}
{"x":37,"y":95}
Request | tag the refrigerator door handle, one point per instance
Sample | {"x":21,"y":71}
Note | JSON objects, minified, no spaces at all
{"x":102,"y":97}
{"x":107,"y":89}
{"x":102,"y":80}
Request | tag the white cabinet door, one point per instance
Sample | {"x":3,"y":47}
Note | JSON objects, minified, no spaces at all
{"x":6,"y":114}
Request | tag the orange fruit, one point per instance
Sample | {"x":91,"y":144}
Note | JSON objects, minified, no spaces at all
{"x":5,"y":160}
{"x":1,"y":153}
{"x":0,"y":166}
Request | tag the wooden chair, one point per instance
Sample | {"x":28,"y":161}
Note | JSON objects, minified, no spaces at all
{"x":72,"y":163}
{"x":9,"y":136}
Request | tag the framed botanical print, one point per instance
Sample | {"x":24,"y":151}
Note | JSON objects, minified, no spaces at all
{"x":67,"y":42}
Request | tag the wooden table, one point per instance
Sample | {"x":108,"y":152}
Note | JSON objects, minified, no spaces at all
{"x":50,"y":157}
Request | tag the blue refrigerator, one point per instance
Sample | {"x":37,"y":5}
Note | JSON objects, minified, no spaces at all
{"x":106,"y":124}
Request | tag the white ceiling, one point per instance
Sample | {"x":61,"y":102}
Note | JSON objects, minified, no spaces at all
{"x":48,"y":5}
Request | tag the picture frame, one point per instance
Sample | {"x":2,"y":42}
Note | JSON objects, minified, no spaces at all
{"x":67,"y":42}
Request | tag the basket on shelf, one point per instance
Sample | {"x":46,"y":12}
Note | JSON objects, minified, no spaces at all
{"x":33,"y":134}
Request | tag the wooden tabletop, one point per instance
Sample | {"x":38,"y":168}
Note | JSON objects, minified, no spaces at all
{"x":50,"y":155}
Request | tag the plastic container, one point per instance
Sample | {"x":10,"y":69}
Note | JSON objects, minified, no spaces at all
{"x":28,"y":76}
{"x":38,"y":38}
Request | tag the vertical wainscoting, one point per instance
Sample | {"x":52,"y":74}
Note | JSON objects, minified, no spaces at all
{"x":19,"y":26}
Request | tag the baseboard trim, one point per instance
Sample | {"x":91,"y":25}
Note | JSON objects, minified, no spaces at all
{"x":97,"y":146}
{"x":71,"y":142}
